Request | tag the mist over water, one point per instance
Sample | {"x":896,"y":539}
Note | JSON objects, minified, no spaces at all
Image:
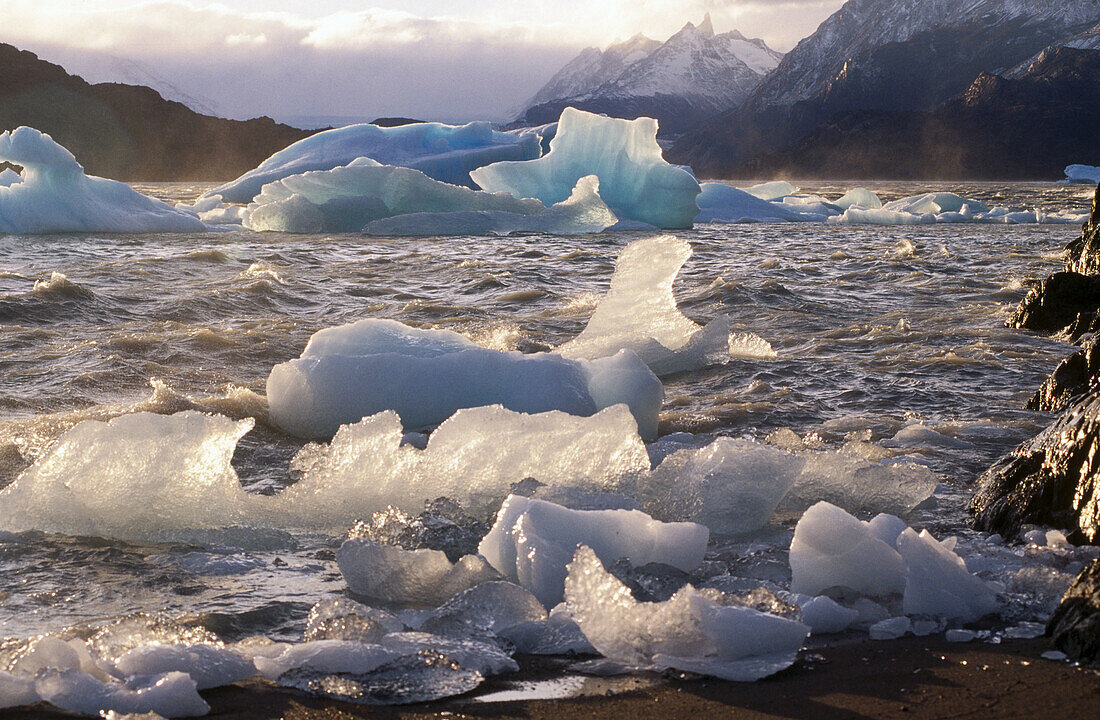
{"x":875,"y":327}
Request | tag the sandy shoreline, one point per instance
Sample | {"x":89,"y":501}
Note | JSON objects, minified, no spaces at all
{"x":908,"y":678}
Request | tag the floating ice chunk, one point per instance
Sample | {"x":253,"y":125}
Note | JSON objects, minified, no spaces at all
{"x":721,"y":203}
{"x":861,"y":197}
{"x":731,"y":486}
{"x":473,"y":458}
{"x":689,"y":631}
{"x":938,"y":583}
{"x":408,"y":577}
{"x":207,"y":665}
{"x":380,"y":336}
{"x":639,"y":313}
{"x":891,"y":628}
{"x":55,"y":196}
{"x":170,"y":695}
{"x":487,"y":610}
{"x":169,"y":472}
{"x":858,"y":485}
{"x":935,"y":203}
{"x":9,"y":177}
{"x":346,"y":198}
{"x":46,"y":652}
{"x":425,"y":379}
{"x":918,"y":435}
{"x":532,"y":541}
{"x":635,"y":181}
{"x":858,"y":216}
{"x":774,"y":190}
{"x":443,"y":152}
{"x":825,"y":616}
{"x":1082,"y":174}
{"x":833,"y":549}
{"x":16,"y":691}
{"x":583,"y":212}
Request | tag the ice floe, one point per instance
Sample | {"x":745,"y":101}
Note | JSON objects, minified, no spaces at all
{"x":635,"y":181}
{"x":53,"y":195}
{"x":532,"y":541}
{"x":425,"y":378}
{"x":723,"y":203}
{"x":443,"y":152}
{"x":691,"y":631}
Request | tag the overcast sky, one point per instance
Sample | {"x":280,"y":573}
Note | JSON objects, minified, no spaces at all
{"x":432,"y":59}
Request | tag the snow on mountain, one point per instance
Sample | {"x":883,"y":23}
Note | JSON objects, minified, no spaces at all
{"x":593,"y":67}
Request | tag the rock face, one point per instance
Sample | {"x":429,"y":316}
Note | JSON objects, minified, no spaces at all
{"x":129,"y":132}
{"x":1075,"y":625}
{"x":1068,"y":301}
{"x":1053,"y":479}
{"x":1073,"y":379}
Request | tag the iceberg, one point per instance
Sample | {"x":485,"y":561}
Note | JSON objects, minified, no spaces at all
{"x":425,"y":378}
{"x":53,"y":195}
{"x":582,"y":213}
{"x":934,"y":203}
{"x":721,"y":203}
{"x":635,"y":181}
{"x":346,"y":198}
{"x":860,"y":197}
{"x":442,"y":152}
{"x":774,"y":190}
{"x":639,"y":314}
{"x":532,"y":541}
{"x":1082,"y":174}
{"x":9,"y":177}
{"x":691,"y":631}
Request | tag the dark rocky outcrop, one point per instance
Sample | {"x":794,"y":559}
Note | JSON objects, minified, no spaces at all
{"x":1083,"y":253}
{"x":129,"y":132}
{"x":1053,"y":480}
{"x":1074,"y":378}
{"x":1075,"y":625}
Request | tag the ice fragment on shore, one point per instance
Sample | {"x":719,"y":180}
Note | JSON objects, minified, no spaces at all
{"x":938,"y":583}
{"x":54,"y":195}
{"x":533,"y":541}
{"x":635,"y":181}
{"x":833,"y":549}
{"x":170,"y":695}
{"x":346,"y":198}
{"x":890,"y":628}
{"x":690,"y":631}
{"x":344,"y":619}
{"x":639,"y":313}
{"x":425,"y":378}
{"x":583,"y":212}
{"x":16,"y":691}
{"x":443,"y":152}
{"x":858,"y":485}
{"x":408,"y":577}
{"x":486,"y":610}
{"x":826,"y":616}
{"x":207,"y":665}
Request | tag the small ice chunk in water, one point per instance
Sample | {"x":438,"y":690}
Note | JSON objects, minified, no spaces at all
{"x":344,"y":619}
{"x":938,"y":583}
{"x":825,"y":616}
{"x":891,"y":628}
{"x":170,"y":695}
{"x":690,"y":631}
{"x":858,"y":485}
{"x":532,"y":541}
{"x":207,"y":665}
{"x":635,"y":181}
{"x":16,"y":691}
{"x":732,"y":486}
{"x":409,"y":577}
{"x":54,"y":195}
{"x":834,"y":549}
{"x":861,"y":197}
{"x":639,"y":313}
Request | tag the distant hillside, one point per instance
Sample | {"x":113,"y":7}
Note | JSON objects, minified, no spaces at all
{"x":130,"y":132}
{"x":690,"y":77}
{"x":881,"y":56}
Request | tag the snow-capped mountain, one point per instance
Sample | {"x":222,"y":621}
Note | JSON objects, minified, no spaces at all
{"x":692,"y":75}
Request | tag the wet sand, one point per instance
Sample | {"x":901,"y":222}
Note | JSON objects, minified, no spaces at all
{"x":907,"y":678}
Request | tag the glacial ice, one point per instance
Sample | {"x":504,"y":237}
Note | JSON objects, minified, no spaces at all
{"x":16,"y":691}
{"x":890,"y":628}
{"x":341,"y":618}
{"x":209,"y":666}
{"x":582,"y":213}
{"x":833,"y":549}
{"x":425,"y":380}
{"x":346,"y":198}
{"x":723,"y":203}
{"x":490,"y":609}
{"x":635,"y":181}
{"x":55,"y":196}
{"x":408,"y":577}
{"x":691,"y":631}
{"x":532,"y":541}
{"x":170,"y":695}
{"x":861,"y":197}
{"x":773,"y":190}
{"x":9,"y":177}
{"x":858,"y":485}
{"x":826,"y":616}
{"x":732,"y":486}
{"x":639,"y":313}
{"x":1082,"y":174}
{"x":443,"y":152}
{"x":934,"y":203}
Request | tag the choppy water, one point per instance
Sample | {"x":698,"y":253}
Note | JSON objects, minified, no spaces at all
{"x":874,"y":327}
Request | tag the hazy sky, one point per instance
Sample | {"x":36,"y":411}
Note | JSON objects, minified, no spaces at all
{"x":432,"y":59}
